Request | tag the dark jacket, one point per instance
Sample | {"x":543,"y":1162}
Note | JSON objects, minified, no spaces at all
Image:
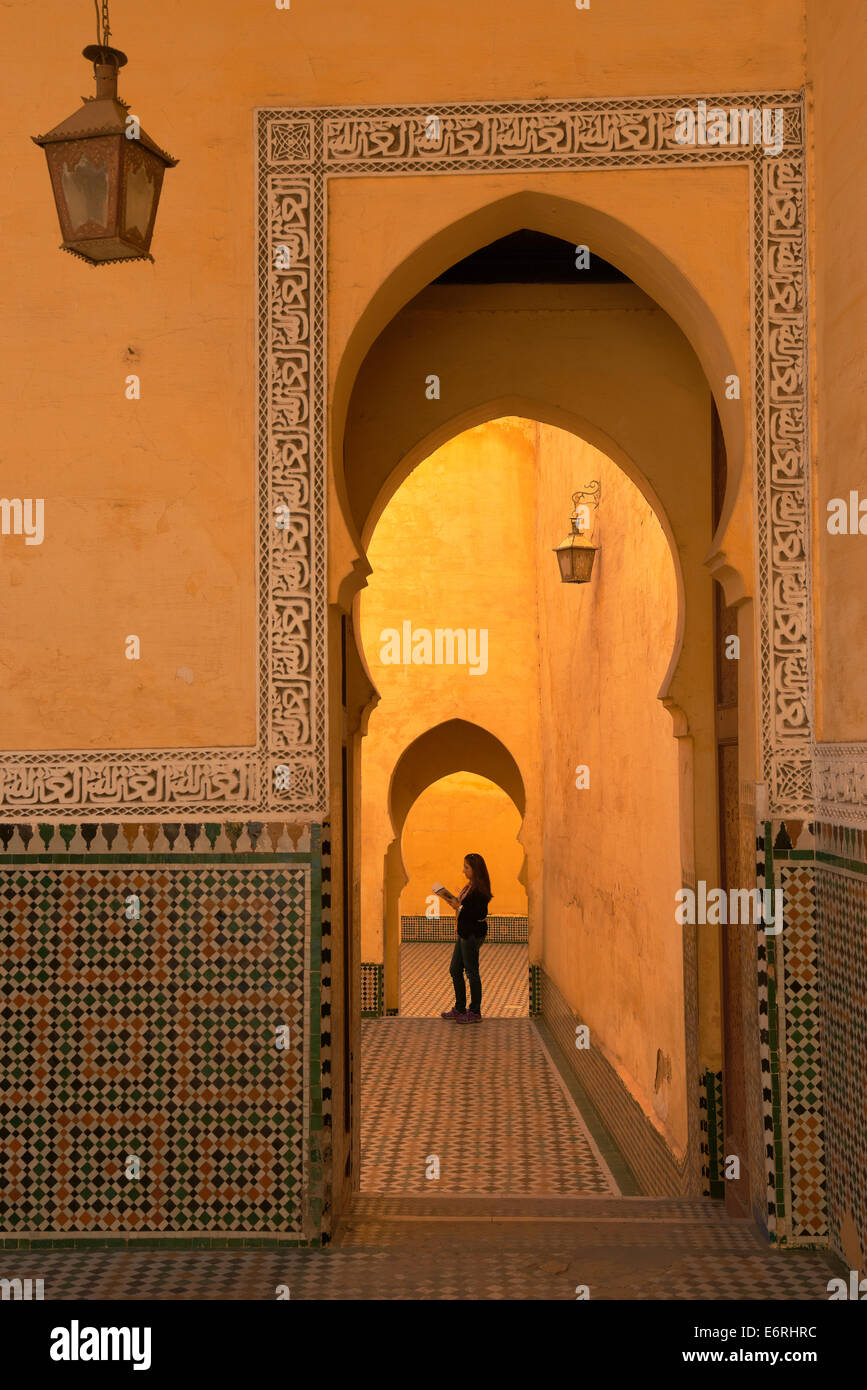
{"x":472,"y":914}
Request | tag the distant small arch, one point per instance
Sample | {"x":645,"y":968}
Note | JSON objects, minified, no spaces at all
{"x":456,"y":745}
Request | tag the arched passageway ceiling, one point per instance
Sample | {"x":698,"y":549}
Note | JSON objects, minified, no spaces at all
{"x":626,"y":374}
{"x":633,"y":252}
{"x":453,"y":746}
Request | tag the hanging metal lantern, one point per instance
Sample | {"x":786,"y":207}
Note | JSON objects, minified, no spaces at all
{"x":106,"y":173}
{"x":575,"y":555}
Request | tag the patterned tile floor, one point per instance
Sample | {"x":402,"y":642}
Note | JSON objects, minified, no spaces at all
{"x":485,"y":1100}
{"x":642,"y":1248}
{"x":426,"y":986}
{"x":652,"y":1250}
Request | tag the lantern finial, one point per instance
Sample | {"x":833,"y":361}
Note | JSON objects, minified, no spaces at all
{"x":106,"y":64}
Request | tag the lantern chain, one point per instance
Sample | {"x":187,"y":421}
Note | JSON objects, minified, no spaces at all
{"x":103,"y":30}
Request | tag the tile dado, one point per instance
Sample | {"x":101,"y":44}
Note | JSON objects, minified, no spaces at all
{"x":842,"y":953}
{"x":801,"y":1059}
{"x":500,"y":929}
{"x":534,"y":986}
{"x":712,"y":1134}
{"x":143,"y":1092}
{"x":820,"y":1018}
{"x":372,"y":989}
{"x":654,"y":1164}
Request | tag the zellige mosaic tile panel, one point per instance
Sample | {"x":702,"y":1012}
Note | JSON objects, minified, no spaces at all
{"x":842,"y":952}
{"x":805,"y":1120}
{"x":141,"y":1088}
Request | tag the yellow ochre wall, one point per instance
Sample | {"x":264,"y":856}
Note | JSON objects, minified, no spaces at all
{"x":453,"y":549}
{"x":463,"y":814}
{"x":149,"y":504}
{"x":611,"y":863}
{"x":837,"y":35}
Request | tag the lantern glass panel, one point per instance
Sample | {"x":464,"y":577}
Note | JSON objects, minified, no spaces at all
{"x":140,"y":193}
{"x":582,"y":564}
{"x":85,"y":191}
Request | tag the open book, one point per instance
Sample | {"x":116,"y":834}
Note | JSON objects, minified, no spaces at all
{"x":439,"y":888}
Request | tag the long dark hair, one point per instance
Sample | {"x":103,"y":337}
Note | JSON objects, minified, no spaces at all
{"x":480,"y":881}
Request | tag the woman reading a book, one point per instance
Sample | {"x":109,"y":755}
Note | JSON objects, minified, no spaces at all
{"x":471,"y":905}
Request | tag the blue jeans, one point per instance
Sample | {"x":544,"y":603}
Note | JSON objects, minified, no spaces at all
{"x":465,"y":957}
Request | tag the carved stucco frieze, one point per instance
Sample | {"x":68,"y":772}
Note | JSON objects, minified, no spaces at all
{"x":841,"y":783}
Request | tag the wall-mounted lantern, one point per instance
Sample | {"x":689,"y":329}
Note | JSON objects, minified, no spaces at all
{"x":106,"y":173}
{"x":575,"y":555}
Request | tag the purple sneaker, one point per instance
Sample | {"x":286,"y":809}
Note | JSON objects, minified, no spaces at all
{"x":469,"y":1017}
{"x":452,"y":1014}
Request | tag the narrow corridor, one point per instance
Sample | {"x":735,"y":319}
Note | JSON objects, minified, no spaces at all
{"x":480,"y":1109}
